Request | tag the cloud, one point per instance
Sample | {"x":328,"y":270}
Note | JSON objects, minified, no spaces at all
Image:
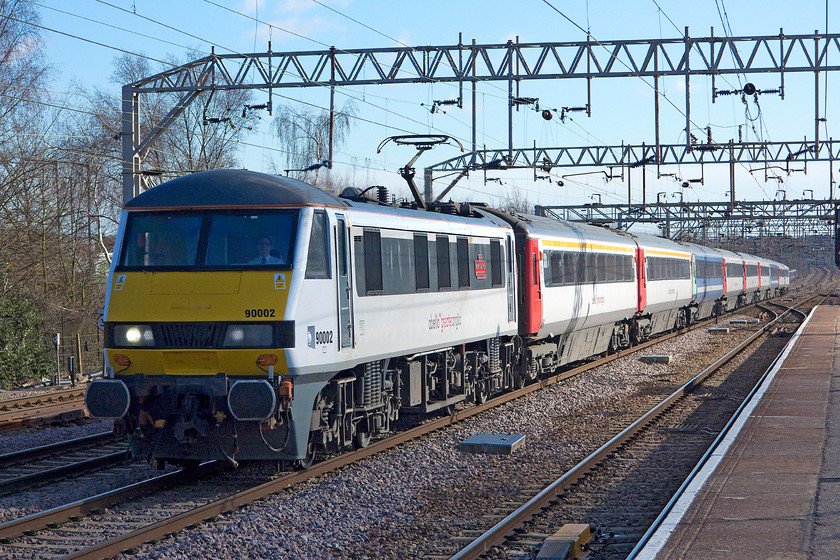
{"x":292,"y":20}
{"x":296,"y":6}
{"x":250,"y":6}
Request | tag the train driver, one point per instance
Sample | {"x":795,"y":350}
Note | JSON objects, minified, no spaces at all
{"x":264,"y":255}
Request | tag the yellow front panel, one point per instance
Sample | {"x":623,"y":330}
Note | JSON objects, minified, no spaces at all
{"x":176,"y":283}
{"x":190,"y":362}
{"x":196,"y":362}
{"x":198,"y":296}
{"x":172,"y":297}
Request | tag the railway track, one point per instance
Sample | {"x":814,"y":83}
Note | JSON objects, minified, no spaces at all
{"x":154,"y":522}
{"x":64,"y":405}
{"x":621,"y":488}
{"x":23,"y":469}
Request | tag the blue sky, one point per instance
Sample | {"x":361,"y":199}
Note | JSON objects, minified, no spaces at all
{"x":622,"y":108}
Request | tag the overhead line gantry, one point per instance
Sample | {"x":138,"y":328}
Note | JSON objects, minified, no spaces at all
{"x":509,"y":62}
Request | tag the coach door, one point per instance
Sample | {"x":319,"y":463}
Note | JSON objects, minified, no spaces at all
{"x":532,"y":289}
{"x":342,"y":258}
{"x":641,"y":279}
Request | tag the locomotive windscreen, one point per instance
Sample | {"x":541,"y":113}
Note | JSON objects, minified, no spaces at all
{"x":218,"y":240}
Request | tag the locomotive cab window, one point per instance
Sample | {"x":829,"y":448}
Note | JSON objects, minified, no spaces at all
{"x":161,"y":240}
{"x":264,"y":239}
{"x":317,"y":263}
{"x":204,"y":240}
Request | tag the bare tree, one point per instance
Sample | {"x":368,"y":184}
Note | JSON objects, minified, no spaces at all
{"x":25,"y":124}
{"x":514,"y":201}
{"x":304,"y":134}
{"x":206,"y":135}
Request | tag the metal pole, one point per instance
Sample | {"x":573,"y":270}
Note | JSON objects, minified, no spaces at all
{"x":831,"y":169}
{"x":130,"y":142}
{"x":460,"y":70}
{"x":332,"y":106}
{"x":782,"y":61}
{"x":644,"y":178}
{"x":656,"y":105}
{"x":816,"y":94}
{"x":510,"y":102}
{"x":588,"y":76}
{"x":687,"y":92}
{"x":79,"y":368}
{"x":57,"y":343}
{"x":731,"y":176}
{"x":712,"y":57}
{"x":474,"y":101}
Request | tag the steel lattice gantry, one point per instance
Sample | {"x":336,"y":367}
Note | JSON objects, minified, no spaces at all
{"x":521,"y":61}
{"x":684,"y":56}
{"x":709,"y":220}
{"x":644,"y":154}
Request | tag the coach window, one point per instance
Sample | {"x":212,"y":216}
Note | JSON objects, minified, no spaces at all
{"x":569,"y":268}
{"x":496,"y":276}
{"x":317,"y":265}
{"x":552,"y":269}
{"x":421,"y":262}
{"x":604,"y":267}
{"x":444,"y":273}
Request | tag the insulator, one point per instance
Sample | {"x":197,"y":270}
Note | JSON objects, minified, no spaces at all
{"x":382,"y":194}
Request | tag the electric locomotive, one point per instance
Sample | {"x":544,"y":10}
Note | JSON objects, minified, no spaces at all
{"x":355,"y":312}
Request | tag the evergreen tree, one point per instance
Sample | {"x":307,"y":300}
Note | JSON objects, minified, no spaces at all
{"x":25,"y":355}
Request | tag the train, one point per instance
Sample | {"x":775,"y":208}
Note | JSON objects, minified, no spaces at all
{"x":255,"y":317}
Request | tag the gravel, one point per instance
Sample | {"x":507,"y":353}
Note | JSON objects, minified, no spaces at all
{"x":44,"y":435}
{"x":35,"y":391}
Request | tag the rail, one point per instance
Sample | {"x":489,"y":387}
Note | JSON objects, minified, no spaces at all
{"x":22,"y":469}
{"x":32,"y":408}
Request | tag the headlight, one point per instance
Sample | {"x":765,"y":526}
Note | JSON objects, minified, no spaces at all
{"x":133,"y":335}
{"x":249,"y":336}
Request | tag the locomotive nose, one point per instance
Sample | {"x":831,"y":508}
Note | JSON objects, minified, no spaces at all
{"x":107,"y":398}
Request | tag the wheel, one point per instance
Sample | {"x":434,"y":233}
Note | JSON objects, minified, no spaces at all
{"x":309,"y":460}
{"x":361,"y":439}
{"x":532,"y":373}
{"x":481,"y":392}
